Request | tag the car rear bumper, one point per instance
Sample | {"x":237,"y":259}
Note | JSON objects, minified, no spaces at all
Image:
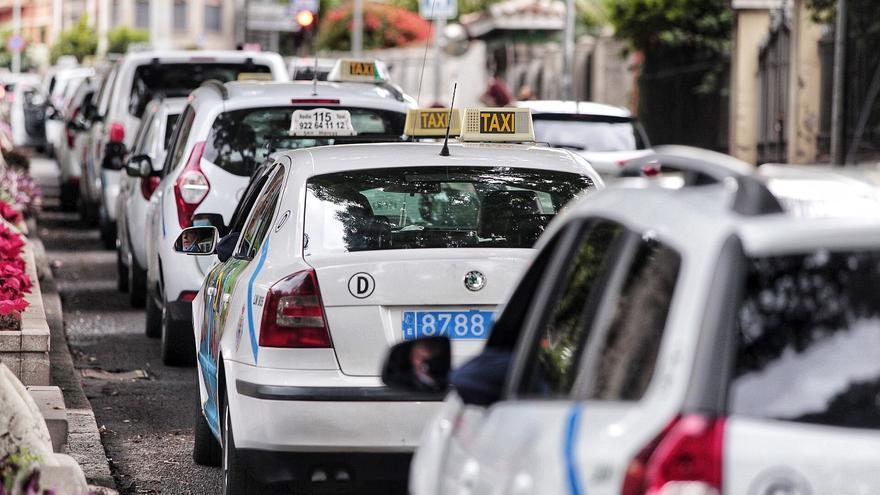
{"x":279,"y":467}
{"x":323,"y":411}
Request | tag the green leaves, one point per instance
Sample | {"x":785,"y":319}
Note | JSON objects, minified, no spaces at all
{"x":118,"y":39}
{"x":79,"y":41}
{"x":703,"y":25}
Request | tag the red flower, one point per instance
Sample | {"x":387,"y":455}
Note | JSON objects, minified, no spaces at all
{"x":9,"y":213}
{"x":10,"y":306}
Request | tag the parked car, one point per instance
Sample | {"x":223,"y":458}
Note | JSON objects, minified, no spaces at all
{"x":69,"y":152}
{"x":225,"y":132}
{"x":59,"y":86}
{"x":605,"y":135}
{"x":712,"y":339}
{"x":132,"y":82}
{"x":23,"y":102}
{"x":347,"y":250}
{"x":151,"y":141}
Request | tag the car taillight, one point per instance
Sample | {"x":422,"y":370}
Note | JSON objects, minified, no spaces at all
{"x":148,"y":186}
{"x":117,"y":132}
{"x":686,"y":459}
{"x":188,"y":295}
{"x":293,"y":315}
{"x":191,"y":187}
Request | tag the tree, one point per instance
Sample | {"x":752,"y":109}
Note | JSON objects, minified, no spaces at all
{"x":385,"y":26}
{"x":120,"y":38}
{"x":79,"y":41}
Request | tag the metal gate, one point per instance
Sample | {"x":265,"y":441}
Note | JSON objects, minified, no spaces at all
{"x":773,"y":70}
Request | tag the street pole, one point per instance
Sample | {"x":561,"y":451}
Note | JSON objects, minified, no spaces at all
{"x":439,"y":47}
{"x":357,"y":28}
{"x":16,"y":31}
{"x":838,"y":117}
{"x":568,"y":50}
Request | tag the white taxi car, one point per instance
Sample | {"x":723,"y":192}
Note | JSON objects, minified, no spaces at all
{"x":714,"y":339}
{"x":132,"y":82}
{"x":149,"y":149}
{"x":346,"y":251}
{"x":224,"y":133}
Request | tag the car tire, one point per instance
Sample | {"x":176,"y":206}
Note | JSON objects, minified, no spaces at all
{"x":178,"y":342}
{"x":154,"y":316}
{"x":121,"y":273}
{"x":69,"y":196}
{"x":206,"y":448}
{"x":88,"y":213}
{"x":108,"y":232}
{"x":235,"y":477}
{"x":137,"y":285}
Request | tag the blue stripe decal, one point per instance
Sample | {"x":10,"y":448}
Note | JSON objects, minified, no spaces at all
{"x":250,"y":301}
{"x":571,"y":431}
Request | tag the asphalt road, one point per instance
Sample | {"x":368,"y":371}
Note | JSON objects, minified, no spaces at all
{"x":146,"y":422}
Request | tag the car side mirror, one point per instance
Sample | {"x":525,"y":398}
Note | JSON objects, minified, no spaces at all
{"x":77,"y":124}
{"x":139,"y":166}
{"x":420,"y":365}
{"x":198,"y":241}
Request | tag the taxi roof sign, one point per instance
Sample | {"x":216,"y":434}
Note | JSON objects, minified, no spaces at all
{"x":350,"y":70}
{"x":509,"y":125}
{"x":431,"y":122}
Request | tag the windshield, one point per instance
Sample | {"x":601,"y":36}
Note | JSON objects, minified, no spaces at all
{"x":180,"y":79}
{"x":241,"y":139}
{"x":588,"y":132}
{"x":434,"y":207}
{"x":807,"y":330}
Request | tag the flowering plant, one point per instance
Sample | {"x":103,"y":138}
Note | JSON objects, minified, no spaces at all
{"x":17,"y":187}
{"x":20,"y":474}
{"x":9,"y":213}
{"x":14,"y":282}
{"x":385,"y":26}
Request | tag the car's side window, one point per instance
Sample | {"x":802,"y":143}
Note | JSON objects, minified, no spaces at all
{"x":257,"y":226}
{"x":628,"y":348}
{"x":144,"y":134}
{"x":178,"y":144}
{"x":552,"y":366}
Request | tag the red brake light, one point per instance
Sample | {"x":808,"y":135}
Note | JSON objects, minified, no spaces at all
{"x":68,"y":132}
{"x":188,"y":295}
{"x":315,"y":101}
{"x":191,"y":187}
{"x":293,"y":316}
{"x":685,"y":459}
{"x":148,"y":186}
{"x":117,"y":132}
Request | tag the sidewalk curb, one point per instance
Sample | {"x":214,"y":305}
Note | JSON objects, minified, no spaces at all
{"x":84,"y":438}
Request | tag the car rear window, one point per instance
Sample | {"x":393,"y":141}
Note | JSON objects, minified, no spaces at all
{"x":589,"y":132}
{"x":434,"y":207}
{"x":808,"y":328}
{"x":241,"y":139}
{"x":171,"y":80}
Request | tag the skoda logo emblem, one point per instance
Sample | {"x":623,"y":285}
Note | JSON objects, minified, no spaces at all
{"x":474,"y":280}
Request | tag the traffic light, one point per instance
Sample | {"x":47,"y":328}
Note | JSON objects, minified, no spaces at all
{"x":305,"y":19}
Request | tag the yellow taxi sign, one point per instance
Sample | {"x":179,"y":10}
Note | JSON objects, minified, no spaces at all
{"x":348,"y":70}
{"x":497,"y":125}
{"x":254,"y":76}
{"x":431,"y":122}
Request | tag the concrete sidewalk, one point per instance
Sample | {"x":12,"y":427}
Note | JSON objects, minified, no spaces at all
{"x":84,"y":439}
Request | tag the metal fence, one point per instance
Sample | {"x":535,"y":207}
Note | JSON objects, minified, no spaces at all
{"x":773,"y":72}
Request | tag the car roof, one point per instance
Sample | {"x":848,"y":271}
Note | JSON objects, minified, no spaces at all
{"x":252,"y":94}
{"x":172,"y":56}
{"x":338,"y":158}
{"x":572,"y":107}
{"x":819,"y":212}
{"x":172,"y":105}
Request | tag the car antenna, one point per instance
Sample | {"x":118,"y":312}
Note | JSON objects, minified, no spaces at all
{"x":315,"y":78}
{"x":445,"y":150}
{"x":424,"y":60}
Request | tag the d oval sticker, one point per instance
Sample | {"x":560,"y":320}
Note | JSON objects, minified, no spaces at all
{"x":361,"y":285}
{"x":282,"y":220}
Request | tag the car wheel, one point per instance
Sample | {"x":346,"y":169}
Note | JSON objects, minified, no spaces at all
{"x":206,"y":448}
{"x":178,"y":342}
{"x":69,"y":196}
{"x":88,"y":212}
{"x":137,"y":285}
{"x":121,"y":273}
{"x":108,"y":232}
{"x":154,"y":316}
{"x":236,"y":479}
